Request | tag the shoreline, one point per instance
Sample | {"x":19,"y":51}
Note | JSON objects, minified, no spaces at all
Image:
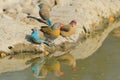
{"x":13,"y":65}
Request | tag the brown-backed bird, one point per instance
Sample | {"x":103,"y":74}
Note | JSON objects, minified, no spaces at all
{"x":52,"y":65}
{"x":44,"y":13}
{"x":67,"y":30}
{"x":68,"y":59}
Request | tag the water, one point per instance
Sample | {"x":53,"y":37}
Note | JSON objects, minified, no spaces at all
{"x":104,"y":64}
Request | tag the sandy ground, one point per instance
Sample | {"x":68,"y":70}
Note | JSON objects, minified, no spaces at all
{"x":15,"y":26}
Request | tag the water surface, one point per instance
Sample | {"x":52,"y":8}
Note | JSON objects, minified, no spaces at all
{"x":104,"y":64}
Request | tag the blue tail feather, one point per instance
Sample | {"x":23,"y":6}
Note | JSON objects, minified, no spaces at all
{"x":48,"y":22}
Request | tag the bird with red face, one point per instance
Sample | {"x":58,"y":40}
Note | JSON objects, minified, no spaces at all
{"x":68,"y":59}
{"x":69,"y":29}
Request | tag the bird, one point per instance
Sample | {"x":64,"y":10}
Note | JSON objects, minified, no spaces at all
{"x":68,"y":59}
{"x":44,"y":13}
{"x":38,"y":62}
{"x":38,"y":65}
{"x":52,"y":65}
{"x":69,"y":29}
{"x":52,"y":32}
{"x":36,"y":38}
{"x":41,"y":67}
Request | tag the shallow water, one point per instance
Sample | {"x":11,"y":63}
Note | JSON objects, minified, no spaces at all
{"x":104,"y":64}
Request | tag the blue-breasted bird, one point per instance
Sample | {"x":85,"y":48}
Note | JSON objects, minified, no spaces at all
{"x":36,"y":38}
{"x":41,"y":67}
{"x":52,"y":32}
{"x":44,"y":13}
{"x":69,"y":29}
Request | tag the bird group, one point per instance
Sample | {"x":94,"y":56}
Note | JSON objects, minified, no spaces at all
{"x":41,"y":67}
{"x":52,"y":31}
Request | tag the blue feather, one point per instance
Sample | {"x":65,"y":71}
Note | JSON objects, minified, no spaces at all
{"x":40,"y":6}
{"x":35,"y":67}
{"x":48,"y":22}
{"x":36,"y":37}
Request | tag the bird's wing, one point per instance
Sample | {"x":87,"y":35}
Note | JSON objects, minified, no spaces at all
{"x":65,"y":28}
{"x":69,"y":33}
{"x":46,"y":30}
{"x":44,"y":14}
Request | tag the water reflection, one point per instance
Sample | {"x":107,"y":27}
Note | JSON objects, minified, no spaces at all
{"x":103,"y":65}
{"x":41,"y":66}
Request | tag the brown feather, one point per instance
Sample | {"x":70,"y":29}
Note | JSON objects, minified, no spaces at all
{"x":44,"y":13}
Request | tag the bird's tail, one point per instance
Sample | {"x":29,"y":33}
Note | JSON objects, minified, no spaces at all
{"x":48,"y":22}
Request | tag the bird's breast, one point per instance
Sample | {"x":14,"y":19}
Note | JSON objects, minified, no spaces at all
{"x":51,"y":31}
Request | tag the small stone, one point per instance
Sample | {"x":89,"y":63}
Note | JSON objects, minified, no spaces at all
{"x":111,"y":19}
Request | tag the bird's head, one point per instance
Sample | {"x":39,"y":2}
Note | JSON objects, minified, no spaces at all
{"x":61,"y":25}
{"x":32,"y":29}
{"x":35,"y":29}
{"x":73,"y":22}
{"x":40,"y":6}
{"x":57,"y":25}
